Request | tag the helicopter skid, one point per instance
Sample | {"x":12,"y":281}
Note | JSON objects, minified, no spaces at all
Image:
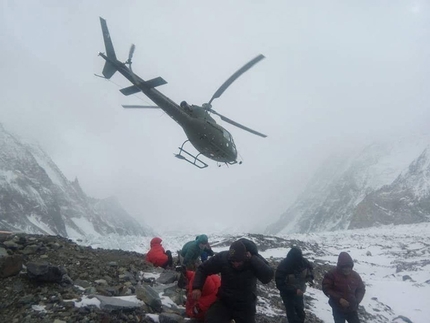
{"x":190,"y":158}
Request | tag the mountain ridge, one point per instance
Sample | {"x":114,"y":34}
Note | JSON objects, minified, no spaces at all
{"x":345,"y":191}
{"x":36,"y":197}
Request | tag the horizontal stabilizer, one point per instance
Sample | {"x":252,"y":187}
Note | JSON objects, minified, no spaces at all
{"x":156,"y":82}
{"x":140,"y":106}
{"x":130,"y":90}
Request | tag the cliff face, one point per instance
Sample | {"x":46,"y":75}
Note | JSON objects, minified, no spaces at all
{"x":405,"y":201}
{"x":383,"y":183}
{"x":36,"y":197}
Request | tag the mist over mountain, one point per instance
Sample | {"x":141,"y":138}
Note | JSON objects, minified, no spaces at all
{"x":384,"y":183}
{"x":36,"y":197}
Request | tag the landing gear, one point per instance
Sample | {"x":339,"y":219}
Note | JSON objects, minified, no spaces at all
{"x":229,"y":163}
{"x":194,"y":160}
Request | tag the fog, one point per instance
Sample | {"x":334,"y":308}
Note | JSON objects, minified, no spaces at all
{"x":336,"y":75}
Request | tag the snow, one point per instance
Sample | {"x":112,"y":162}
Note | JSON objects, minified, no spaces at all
{"x":390,"y":246}
{"x":39,"y":308}
{"x":86,"y":226}
{"x":154,"y":317}
{"x":87,"y":301}
{"x":42,"y":226}
{"x":53,"y":174}
{"x":151,"y":275}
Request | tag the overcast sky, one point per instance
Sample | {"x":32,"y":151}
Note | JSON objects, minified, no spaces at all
{"x":336,"y":74}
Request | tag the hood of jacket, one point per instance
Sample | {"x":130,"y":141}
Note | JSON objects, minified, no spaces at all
{"x":156,"y":241}
{"x":295,"y":255}
{"x":203,"y":238}
{"x":344,"y":259}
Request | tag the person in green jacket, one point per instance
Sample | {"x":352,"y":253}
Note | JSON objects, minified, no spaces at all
{"x":192,"y":250}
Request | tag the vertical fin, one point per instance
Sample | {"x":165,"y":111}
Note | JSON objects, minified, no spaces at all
{"x":108,"y":69}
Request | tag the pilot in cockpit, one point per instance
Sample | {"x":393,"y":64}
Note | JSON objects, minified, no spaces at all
{"x":186,"y":107}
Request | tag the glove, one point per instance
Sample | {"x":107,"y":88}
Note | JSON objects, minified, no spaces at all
{"x":196,"y":293}
{"x":344,"y":302}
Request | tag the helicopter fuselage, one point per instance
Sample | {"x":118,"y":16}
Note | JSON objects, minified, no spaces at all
{"x":208,"y":137}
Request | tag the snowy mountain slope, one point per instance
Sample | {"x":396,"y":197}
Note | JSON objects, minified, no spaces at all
{"x":36,"y":197}
{"x":406,"y":200}
{"x":331,"y":199}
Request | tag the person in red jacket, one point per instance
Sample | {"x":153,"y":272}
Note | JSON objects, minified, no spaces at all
{"x":197,"y":308}
{"x":345,"y":290}
{"x":157,"y":256}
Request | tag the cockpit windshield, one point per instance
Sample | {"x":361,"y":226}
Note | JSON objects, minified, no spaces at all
{"x":227,"y":135}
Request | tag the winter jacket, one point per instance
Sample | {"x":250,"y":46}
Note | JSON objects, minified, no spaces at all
{"x":292,"y":273}
{"x":198,"y":309}
{"x":238,"y":286}
{"x":156,"y":255}
{"x":336,"y":285}
{"x":191,"y":251}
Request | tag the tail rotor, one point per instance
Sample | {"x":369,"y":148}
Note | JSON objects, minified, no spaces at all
{"x":130,"y":56}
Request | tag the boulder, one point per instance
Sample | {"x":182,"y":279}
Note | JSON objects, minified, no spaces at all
{"x":10,"y":265}
{"x":44,"y":272}
{"x":149,"y":296}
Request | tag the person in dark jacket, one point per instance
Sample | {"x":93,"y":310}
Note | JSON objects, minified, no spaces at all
{"x":240,"y":267}
{"x":291,"y":277}
{"x":345,"y":290}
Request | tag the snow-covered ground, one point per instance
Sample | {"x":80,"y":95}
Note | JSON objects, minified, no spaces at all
{"x":393,"y":261}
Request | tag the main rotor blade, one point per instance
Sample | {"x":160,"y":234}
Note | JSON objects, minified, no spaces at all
{"x":141,"y":107}
{"x":234,"y":123}
{"x":233,"y":78}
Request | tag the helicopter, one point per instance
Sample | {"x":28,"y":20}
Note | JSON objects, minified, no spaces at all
{"x":208,"y":138}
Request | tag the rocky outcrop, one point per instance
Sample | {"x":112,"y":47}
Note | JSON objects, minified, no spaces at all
{"x":405,"y":201}
{"x":36,"y":197}
{"x":65,"y":282}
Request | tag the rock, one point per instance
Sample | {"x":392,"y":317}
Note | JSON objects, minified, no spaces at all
{"x":3,"y":252}
{"x":176,"y":294}
{"x":10,"y":265}
{"x":102,"y":282}
{"x":12,"y":245}
{"x":149,"y":296}
{"x":407,"y":277}
{"x":44,"y":272}
{"x":27,"y":299}
{"x":402,"y":319}
{"x":170,"y":318}
{"x":82,"y":283}
{"x":30,"y":249}
{"x":113,"y":304}
{"x":167,"y":277}
{"x":4,"y":235}
{"x":66,"y":280}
